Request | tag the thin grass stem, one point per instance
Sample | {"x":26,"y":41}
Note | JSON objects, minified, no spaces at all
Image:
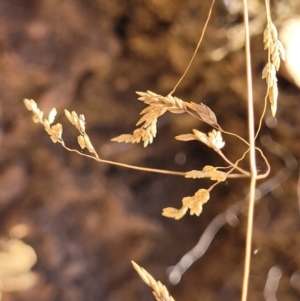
{"x":196,"y":50}
{"x":253,"y":168}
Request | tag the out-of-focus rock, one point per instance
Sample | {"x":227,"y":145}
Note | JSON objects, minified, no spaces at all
{"x":290,"y":37}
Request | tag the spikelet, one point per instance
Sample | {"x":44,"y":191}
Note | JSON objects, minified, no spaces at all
{"x":194,"y":203}
{"x":157,"y":106}
{"x":213,"y":139}
{"x":160,"y":292}
{"x":55,"y":131}
{"x":276,"y":53}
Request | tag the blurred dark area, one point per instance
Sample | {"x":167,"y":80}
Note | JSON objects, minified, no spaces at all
{"x":86,"y":221}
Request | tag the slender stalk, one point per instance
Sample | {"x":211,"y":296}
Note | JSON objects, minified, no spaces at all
{"x":252,"y":158}
{"x":196,"y":50}
{"x":96,"y":158}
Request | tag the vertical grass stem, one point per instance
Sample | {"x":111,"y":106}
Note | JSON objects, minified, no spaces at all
{"x":253,"y":169}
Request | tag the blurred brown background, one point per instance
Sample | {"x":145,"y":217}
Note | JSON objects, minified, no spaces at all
{"x":86,"y":221}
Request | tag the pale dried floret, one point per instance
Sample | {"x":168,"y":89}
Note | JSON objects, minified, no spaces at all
{"x":215,"y":138}
{"x":174,"y":213}
{"x":136,"y":137}
{"x":267,"y":38}
{"x":88,"y":143}
{"x":151,"y":116}
{"x":74,"y":118}
{"x":185,"y":137}
{"x":81,"y":141}
{"x":52,"y":115}
{"x":281,"y":50}
{"x":27,"y":103}
{"x":273,"y":96}
{"x":69,"y":116}
{"x":37,"y":113}
{"x":81,"y":123}
{"x":55,"y":132}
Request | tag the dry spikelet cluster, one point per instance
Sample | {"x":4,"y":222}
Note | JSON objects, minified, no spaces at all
{"x":160,"y":292}
{"x":79,"y":122}
{"x":276,"y":53}
{"x":157,"y":105}
{"x":194,"y":203}
{"x":55,"y":131}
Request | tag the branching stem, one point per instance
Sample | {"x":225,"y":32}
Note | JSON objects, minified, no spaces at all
{"x":140,"y":168}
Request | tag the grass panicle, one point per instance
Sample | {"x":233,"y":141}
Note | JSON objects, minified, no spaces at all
{"x":156,"y":106}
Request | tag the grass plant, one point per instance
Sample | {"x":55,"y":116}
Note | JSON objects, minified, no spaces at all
{"x":158,"y":105}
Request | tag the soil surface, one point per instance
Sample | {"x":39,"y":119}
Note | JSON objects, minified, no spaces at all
{"x":86,"y":221}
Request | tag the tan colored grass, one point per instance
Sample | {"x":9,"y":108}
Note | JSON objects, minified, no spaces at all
{"x":276,"y":53}
{"x":160,"y":292}
{"x":156,"y":106}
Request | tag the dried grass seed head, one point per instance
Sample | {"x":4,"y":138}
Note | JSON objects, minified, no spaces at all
{"x":160,"y":291}
{"x":37,"y":113}
{"x":276,"y":52}
{"x":169,"y":102}
{"x":77,"y":121}
{"x":207,"y":172}
{"x":194,"y":203}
